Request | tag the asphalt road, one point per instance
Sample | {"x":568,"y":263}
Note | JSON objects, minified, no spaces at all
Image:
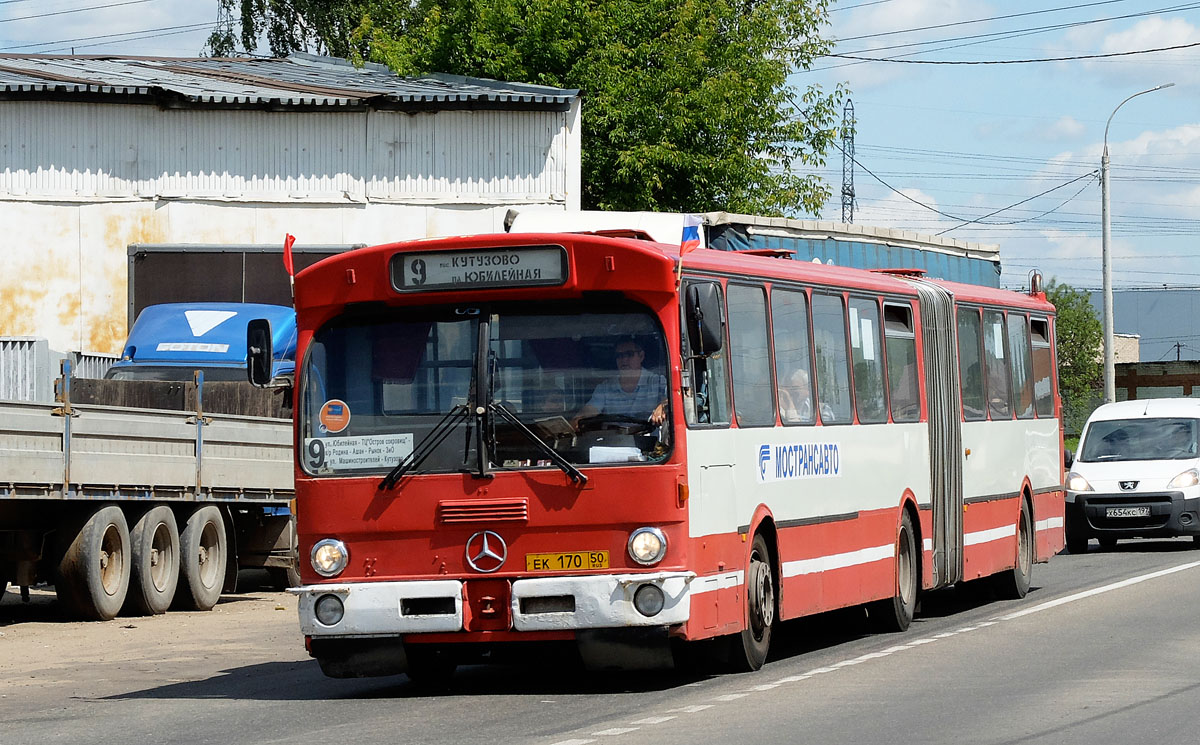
{"x":1102,"y":651}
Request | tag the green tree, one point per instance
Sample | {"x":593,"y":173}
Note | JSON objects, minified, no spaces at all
{"x":686,"y":102}
{"x":1079,"y":346}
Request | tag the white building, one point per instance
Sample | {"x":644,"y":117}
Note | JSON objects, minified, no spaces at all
{"x":100,"y":153}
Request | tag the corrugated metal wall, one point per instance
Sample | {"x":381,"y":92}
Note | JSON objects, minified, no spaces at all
{"x":92,"y":151}
{"x":25,"y":369}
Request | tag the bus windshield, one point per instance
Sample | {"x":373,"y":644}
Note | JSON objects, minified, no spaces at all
{"x":583,"y":377}
{"x":1140,"y":439}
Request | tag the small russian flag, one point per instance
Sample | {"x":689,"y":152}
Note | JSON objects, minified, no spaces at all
{"x":691,"y":233}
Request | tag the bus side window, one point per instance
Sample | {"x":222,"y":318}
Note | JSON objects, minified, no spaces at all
{"x":970,"y":365}
{"x":708,"y":401}
{"x":867,"y":356}
{"x":996,"y":365}
{"x":1043,"y":367}
{"x":901,"y":340}
{"x":749,"y":352}
{"x":833,"y":358}
{"x":793,"y":358}
{"x":1022,"y":364}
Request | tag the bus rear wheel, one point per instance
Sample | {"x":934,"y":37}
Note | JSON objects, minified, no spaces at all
{"x":750,"y":648}
{"x":896,"y":613}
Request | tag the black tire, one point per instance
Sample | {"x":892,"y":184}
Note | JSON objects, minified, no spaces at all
{"x":1107,"y":542}
{"x":203,"y":555}
{"x":748,"y":650}
{"x":896,"y":613}
{"x":92,"y":576}
{"x":1013,"y":584}
{"x":1075,"y":527}
{"x":154,"y":571}
{"x":429,"y":666}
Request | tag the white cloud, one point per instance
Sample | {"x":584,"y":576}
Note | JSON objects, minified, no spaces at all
{"x":1143,"y":70}
{"x":1065,"y":128}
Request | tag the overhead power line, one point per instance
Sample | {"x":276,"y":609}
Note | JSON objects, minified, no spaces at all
{"x":74,"y":10}
{"x":1014,"y":61}
{"x":980,"y":20}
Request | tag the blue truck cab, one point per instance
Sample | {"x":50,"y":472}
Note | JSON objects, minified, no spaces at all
{"x":172,"y":340}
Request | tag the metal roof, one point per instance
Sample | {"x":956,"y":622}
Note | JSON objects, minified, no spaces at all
{"x":299,"y":80}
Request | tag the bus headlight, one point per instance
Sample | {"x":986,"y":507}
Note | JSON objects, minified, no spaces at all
{"x":1190,"y":477}
{"x":647,"y":545}
{"x":329,"y":557}
{"x":329,"y":610}
{"x":1075,"y":482}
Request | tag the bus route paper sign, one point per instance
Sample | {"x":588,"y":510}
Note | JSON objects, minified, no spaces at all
{"x":331,"y":454}
{"x":473,"y":269}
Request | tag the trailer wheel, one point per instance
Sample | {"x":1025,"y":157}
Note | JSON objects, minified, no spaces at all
{"x":155,"y":570}
{"x":92,"y":577}
{"x":204,"y":553}
{"x":1014,"y":583}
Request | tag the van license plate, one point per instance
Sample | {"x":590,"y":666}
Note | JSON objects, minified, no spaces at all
{"x":1127,"y":512}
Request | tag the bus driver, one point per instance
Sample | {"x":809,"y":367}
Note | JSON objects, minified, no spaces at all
{"x":634,"y":392}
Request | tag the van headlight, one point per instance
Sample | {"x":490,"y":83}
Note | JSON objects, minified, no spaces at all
{"x":1075,"y":482}
{"x":647,"y":545}
{"x":1190,"y":477}
{"x":329,"y":557}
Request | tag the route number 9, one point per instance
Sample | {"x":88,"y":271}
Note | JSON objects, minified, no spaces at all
{"x":314,"y":454}
{"x":417,"y":269}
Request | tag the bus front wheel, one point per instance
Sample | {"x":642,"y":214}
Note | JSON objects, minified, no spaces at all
{"x":751,"y":646}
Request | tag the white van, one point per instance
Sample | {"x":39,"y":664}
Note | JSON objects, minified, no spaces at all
{"x":1137,"y":473}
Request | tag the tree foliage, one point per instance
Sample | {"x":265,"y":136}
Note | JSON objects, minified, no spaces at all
{"x":1080,"y":337}
{"x":687,"y":105}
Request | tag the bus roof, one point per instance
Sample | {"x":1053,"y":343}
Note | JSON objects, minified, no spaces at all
{"x":371,"y":264}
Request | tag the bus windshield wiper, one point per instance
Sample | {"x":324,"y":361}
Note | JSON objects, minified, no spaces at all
{"x":576,"y":475}
{"x":430,"y":442}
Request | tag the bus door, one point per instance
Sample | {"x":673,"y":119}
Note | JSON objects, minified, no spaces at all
{"x":938,"y":335}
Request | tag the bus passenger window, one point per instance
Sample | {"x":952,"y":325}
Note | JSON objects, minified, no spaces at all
{"x":832,"y":357}
{"x":752,"y":400}
{"x":707,"y":401}
{"x":1022,"y":378}
{"x":1043,"y":367}
{"x":866,"y":353}
{"x":996,"y":365}
{"x":793,"y":361}
{"x":901,"y":343}
{"x":970,"y":365}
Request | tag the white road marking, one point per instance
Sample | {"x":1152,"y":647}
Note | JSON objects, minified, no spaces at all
{"x":1098,"y":591}
{"x":653,"y":720}
{"x":886,"y":652}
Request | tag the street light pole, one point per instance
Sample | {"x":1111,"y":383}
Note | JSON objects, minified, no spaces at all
{"x":1110,"y":373}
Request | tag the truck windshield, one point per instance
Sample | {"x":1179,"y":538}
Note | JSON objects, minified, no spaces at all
{"x":1140,"y":439}
{"x":586,"y":378}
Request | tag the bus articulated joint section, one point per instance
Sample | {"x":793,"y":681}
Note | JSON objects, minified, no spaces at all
{"x":535,"y":604}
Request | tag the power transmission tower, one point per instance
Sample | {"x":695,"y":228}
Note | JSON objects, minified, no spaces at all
{"x":224,"y":25}
{"x":848,"y":162}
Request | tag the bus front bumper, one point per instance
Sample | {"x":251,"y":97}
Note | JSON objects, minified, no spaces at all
{"x":536,"y":604}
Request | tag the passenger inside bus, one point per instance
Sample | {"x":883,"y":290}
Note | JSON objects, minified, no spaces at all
{"x":633,"y":392}
{"x":795,"y":398}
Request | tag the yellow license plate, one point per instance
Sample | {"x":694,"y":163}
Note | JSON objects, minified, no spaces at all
{"x":573,"y":561}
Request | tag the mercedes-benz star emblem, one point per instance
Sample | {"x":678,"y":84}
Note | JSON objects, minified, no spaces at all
{"x":486,"y":551}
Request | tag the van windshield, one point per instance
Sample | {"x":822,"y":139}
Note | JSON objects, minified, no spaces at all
{"x":1140,"y":439}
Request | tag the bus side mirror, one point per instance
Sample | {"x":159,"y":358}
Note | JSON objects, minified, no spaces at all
{"x":259,"y":353}
{"x":705,"y":325}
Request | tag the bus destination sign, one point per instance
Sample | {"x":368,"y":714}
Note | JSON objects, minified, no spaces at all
{"x":523,"y":266}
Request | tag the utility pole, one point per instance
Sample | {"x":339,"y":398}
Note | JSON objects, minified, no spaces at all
{"x":848,"y":162}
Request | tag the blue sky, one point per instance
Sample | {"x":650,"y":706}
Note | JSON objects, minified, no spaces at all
{"x":965,"y":140}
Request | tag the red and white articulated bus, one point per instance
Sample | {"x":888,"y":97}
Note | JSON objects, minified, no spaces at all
{"x":593,"y":439}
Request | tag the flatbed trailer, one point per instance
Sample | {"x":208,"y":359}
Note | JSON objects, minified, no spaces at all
{"x":141,"y":508}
